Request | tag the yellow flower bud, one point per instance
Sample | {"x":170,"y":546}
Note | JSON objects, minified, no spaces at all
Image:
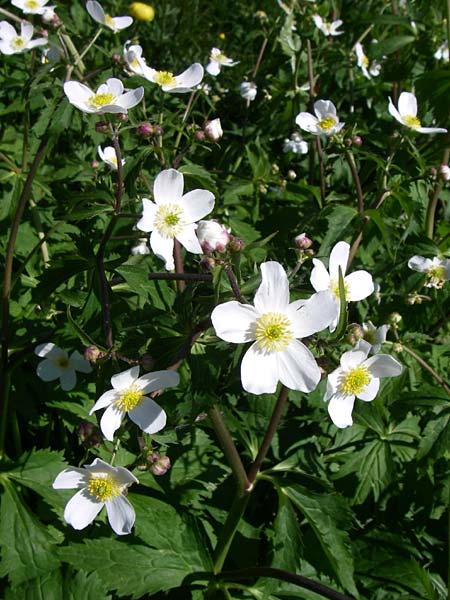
{"x":141,"y":11}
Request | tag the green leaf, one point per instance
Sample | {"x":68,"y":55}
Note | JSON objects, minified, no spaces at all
{"x":339,"y":218}
{"x":391,"y":44}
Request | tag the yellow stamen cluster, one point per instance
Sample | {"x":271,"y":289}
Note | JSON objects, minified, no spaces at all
{"x":365,"y":61}
{"x":165,"y":78}
{"x":273,"y":332}
{"x":18,"y":43}
{"x":327,"y":123}
{"x":334,"y":288}
{"x":436,"y":276}
{"x":411,"y":121}
{"x":169,"y":220}
{"x":354,"y":381}
{"x":31,"y":4}
{"x":129,"y":399}
{"x":109,"y":21}
{"x":103,"y":487}
{"x":101,"y":99}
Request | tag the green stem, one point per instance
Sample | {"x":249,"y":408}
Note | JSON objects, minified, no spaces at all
{"x":183,"y":120}
{"x":359,"y":194}
{"x":5,"y":412}
{"x":432,"y":205}
{"x":231,"y":524}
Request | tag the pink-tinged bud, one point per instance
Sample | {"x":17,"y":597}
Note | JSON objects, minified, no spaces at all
{"x":302,"y":241}
{"x":355,"y":333}
{"x":444,"y":172}
{"x":92,"y":354}
{"x":357,"y":141}
{"x":101,"y":126}
{"x":236,"y":245}
{"x":213,"y":236}
{"x":160,"y":466}
{"x":147,"y":362}
{"x":158,"y":130}
{"x":95,"y":164}
{"x":207,"y":264}
{"x":310,"y":252}
{"x":116,"y":58}
{"x":44,"y":32}
{"x":146,"y":130}
{"x":213,"y":130}
{"x":122,"y":117}
{"x":200,"y":135}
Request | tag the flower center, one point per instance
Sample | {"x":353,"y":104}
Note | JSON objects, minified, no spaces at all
{"x":135,"y":63}
{"x":273,"y":332}
{"x":355,"y":380}
{"x":327,"y":123}
{"x":436,"y":276}
{"x":31,"y":4}
{"x":165,"y":78}
{"x":129,"y":399}
{"x":169,"y":220}
{"x":365,"y":61}
{"x":101,"y":99}
{"x":17,"y":43}
{"x":103,"y":487}
{"x":334,"y":288}
{"x":109,"y":21}
{"x":411,"y":121}
{"x":62,"y":362}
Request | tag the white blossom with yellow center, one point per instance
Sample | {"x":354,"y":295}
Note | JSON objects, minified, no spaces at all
{"x":274,"y":325}
{"x":13,"y":43}
{"x":99,"y":485}
{"x":57,"y":364}
{"x":32,"y":7}
{"x":407,"y":114}
{"x":217,"y":60}
{"x":436,"y":269}
{"x":368,"y":68}
{"x":325,"y":121}
{"x":357,"y":377}
{"x":96,"y":11}
{"x":108,"y":156}
{"x":328,"y":29}
{"x":128,"y":396}
{"x":173,"y":215}
{"x":357,"y":286}
{"x":110,"y":97}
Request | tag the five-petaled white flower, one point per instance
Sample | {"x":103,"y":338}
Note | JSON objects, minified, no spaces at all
{"x":12,"y":43}
{"x":437,"y":270}
{"x":174,"y":215}
{"x":96,"y":11}
{"x":59,"y":365}
{"x":274,"y":326}
{"x":218,"y":60}
{"x":136,"y":63}
{"x":407,"y":114}
{"x":32,"y":7}
{"x":99,"y":485}
{"x":374,"y":336}
{"x":356,"y":377}
{"x":128,"y":396}
{"x":369,"y":69}
{"x":358,"y":285}
{"x":177,"y":84}
{"x":325,"y":122}
{"x":109,"y":97}
{"x":327,"y":28}
{"x":108,"y":156}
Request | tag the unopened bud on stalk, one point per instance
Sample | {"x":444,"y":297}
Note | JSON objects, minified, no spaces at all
{"x":213,"y":130}
{"x":146,"y":130}
{"x":161,"y":466}
{"x":92,"y":354}
{"x":122,"y":117}
{"x":207,"y":264}
{"x":302,"y":241}
{"x":158,"y":130}
{"x":292,"y":175}
{"x":395,"y":318}
{"x":444,"y":172}
{"x":200,"y":135}
{"x":355,"y":333}
{"x":101,"y":126}
{"x":95,"y":164}
{"x":116,"y":58}
{"x":236,"y":245}
{"x":213,"y":236}
{"x":357,"y":141}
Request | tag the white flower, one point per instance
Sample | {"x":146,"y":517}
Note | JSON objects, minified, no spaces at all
{"x":177,"y":84}
{"x":407,"y":114}
{"x":357,"y":285}
{"x":213,"y":130}
{"x":327,"y":28}
{"x":109,"y":97}
{"x":136,"y":63}
{"x":218,"y":60}
{"x":140,"y":248}
{"x":437,"y":270}
{"x":369,"y":69}
{"x":32,"y":7}
{"x":174,"y":215}
{"x":99,"y":485}
{"x":444,"y":172}
{"x":248,"y":90}
{"x":274,"y":326}
{"x":58,"y":365}
{"x":442,"y":52}
{"x":374,"y":336}
{"x":295,"y":144}
{"x":213,"y":236}
{"x":96,"y":11}
{"x":12,"y":43}
{"x":128,"y":396}
{"x":108,"y":156}
{"x":326,"y":120}
{"x":356,"y":377}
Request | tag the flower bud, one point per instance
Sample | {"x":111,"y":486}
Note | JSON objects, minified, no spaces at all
{"x":302,"y":241}
{"x":101,"y":126}
{"x":158,"y":130}
{"x":248,"y":90}
{"x":141,"y":11}
{"x":200,"y":135}
{"x":357,"y":141}
{"x":207,"y":264}
{"x":116,"y":58}
{"x":213,"y":130}
{"x":236,"y":245}
{"x":395,"y":318}
{"x":146,"y":130}
{"x":95,"y":164}
{"x":213,"y":236}
{"x":122,"y":117}
{"x":444,"y":172}
{"x":355,"y":333}
{"x":292,"y":175}
{"x":160,"y":466}
{"x":92,"y":354}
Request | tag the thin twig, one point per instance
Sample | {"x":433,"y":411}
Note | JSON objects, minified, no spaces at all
{"x":359,"y":193}
{"x":234,"y":284}
{"x":181,"y":276}
{"x":179,"y":269}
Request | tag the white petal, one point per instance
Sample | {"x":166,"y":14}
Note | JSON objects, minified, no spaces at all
{"x":340,"y":410}
{"x":111,"y":421}
{"x":187,"y":80}
{"x":259,"y":371}
{"x":383,"y":365}
{"x":297,"y":367}
{"x":431,"y":130}
{"x":339,"y":258}
{"x":68,"y":379}
{"x":162,"y":246}
{"x":149,"y":416}
{"x":131,"y":98}
{"x":196,"y":205}
{"x":50,"y":350}
{"x":320,"y":279}
{"x":213,"y":68}
{"x":394,"y":112}
{"x":189,"y":240}
{"x":82,"y":509}
{"x":407,"y":104}
{"x":360,"y":285}
{"x":47,"y":370}
{"x":125,"y":379}
{"x":315,"y":315}
{"x":168,"y":187}
{"x":37,"y":42}
{"x":70,"y":478}
{"x":324,"y":108}
{"x":79,"y":363}
{"x":332,"y":383}
{"x":124,"y":476}
{"x":26,"y":30}
{"x":307,"y":122}
{"x":150,"y":382}
{"x":114,"y":86}
{"x":418,"y":263}
{"x":146,"y":222}
{"x":370,"y":391}
{"x":121,"y":515}
{"x":122,"y":22}
{"x":273,"y":293}
{"x":78,"y":95}
{"x":353,"y":358}
{"x":7,"y":31}
{"x":105,"y":400}
{"x":96,"y":11}
{"x":235,"y":322}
